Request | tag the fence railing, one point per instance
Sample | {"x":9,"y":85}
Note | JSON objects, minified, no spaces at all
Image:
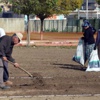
{"x":69,"y":25}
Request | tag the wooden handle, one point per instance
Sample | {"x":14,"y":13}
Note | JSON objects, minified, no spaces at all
{"x":21,"y":69}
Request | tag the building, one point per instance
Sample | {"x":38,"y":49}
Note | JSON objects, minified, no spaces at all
{"x":92,"y":4}
{"x":89,"y":10}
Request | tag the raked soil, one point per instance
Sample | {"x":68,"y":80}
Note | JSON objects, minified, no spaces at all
{"x":54,"y":73}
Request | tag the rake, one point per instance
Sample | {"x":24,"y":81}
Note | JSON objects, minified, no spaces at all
{"x":22,"y":69}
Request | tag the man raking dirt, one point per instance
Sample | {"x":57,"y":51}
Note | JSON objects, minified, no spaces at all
{"x":6,"y":47}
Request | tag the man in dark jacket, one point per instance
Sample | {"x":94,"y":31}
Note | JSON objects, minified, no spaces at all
{"x":88,"y":40}
{"x":6,"y":47}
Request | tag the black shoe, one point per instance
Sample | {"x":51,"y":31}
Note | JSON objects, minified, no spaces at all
{"x":5,"y":87}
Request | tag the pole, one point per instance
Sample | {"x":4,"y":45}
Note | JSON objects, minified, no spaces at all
{"x":78,"y":14}
{"x":97,"y":11}
{"x":28,"y":32}
{"x":86,"y":9}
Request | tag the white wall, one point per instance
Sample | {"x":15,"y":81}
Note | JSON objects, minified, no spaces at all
{"x":12,"y":24}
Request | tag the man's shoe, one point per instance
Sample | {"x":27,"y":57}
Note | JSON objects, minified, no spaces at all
{"x":8,"y":83}
{"x":5,"y":87}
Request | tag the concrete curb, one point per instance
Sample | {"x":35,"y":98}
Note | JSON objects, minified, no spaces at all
{"x":50,"y":43}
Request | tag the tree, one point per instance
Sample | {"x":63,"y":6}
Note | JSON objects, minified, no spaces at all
{"x":44,"y":8}
{"x":66,"y":6}
{"x":0,"y":9}
{"x":98,"y":1}
{"x":5,"y":1}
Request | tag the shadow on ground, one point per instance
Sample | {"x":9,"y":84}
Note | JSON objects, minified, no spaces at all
{"x":71,"y":66}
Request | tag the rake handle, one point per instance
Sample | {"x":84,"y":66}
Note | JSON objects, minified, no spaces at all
{"x":21,"y":69}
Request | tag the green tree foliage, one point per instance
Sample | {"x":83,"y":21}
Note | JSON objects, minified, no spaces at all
{"x":0,"y":9}
{"x":66,"y":6}
{"x":44,"y":8}
{"x":98,"y":1}
{"x":5,"y":1}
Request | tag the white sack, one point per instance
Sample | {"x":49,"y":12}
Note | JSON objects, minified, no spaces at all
{"x":94,"y":62}
{"x":79,"y":54}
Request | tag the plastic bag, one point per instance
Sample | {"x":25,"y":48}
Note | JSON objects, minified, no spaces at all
{"x":94,"y":62}
{"x":79,"y":54}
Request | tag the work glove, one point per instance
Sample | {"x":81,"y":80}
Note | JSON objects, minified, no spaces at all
{"x":5,"y":58}
{"x":16,"y":65}
{"x":82,"y":38}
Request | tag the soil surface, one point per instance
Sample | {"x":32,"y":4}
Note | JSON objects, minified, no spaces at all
{"x":53,"y":71}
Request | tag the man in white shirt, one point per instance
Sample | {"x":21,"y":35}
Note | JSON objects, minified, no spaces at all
{"x":2,"y":32}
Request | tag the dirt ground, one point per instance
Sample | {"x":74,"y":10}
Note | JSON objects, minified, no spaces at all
{"x":54,"y":73}
{"x":52,"y":35}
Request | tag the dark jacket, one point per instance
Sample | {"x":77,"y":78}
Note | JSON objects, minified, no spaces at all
{"x":6,"y":47}
{"x":93,"y":30}
{"x":89,"y":36}
{"x":97,"y":38}
{"x":97,"y":44}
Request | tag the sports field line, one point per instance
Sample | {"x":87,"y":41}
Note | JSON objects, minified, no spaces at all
{"x":53,"y":97}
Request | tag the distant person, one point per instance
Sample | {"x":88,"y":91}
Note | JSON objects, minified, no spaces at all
{"x":2,"y":32}
{"x":89,"y":40}
{"x":6,"y":47}
{"x":93,"y":29}
{"x":97,"y":44}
